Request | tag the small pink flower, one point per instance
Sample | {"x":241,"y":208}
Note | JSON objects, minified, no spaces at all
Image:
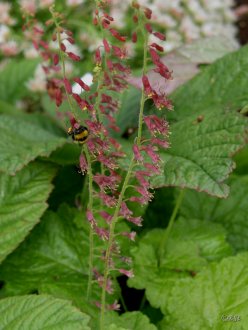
{"x":131,"y":235}
{"x":159,"y":35}
{"x":82,"y":84}
{"x":106,"y":216}
{"x":109,"y":201}
{"x":83,"y":164}
{"x":106,"y":46}
{"x":67,"y":86}
{"x":73,"y":56}
{"x":156,"y":125}
{"x":124,"y":211}
{"x":128,"y":273}
{"x":91,"y":219}
{"x":102,"y":233}
{"x":117,"y":35}
{"x":107,"y":182}
{"x":137,"y":153}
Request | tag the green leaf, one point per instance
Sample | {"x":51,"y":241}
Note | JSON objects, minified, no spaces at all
{"x":8,"y":108}
{"x":191,"y":246}
{"x":22,"y":141}
{"x":221,"y":85}
{"x":200,"y":303}
{"x":13,"y":78}
{"x":129,"y":321}
{"x":58,"y":250}
{"x":199,"y":157}
{"x":22,"y":202}
{"x":241,"y":160}
{"x":40,"y":312}
{"x":231,"y":213}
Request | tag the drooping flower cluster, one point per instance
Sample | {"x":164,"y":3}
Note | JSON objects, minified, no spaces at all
{"x":92,"y":117}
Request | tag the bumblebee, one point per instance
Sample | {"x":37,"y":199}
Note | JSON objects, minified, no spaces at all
{"x":79,"y":134}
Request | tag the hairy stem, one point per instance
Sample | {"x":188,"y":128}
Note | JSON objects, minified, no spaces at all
{"x":122,"y":193}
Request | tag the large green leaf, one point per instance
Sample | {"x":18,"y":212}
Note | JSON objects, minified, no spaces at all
{"x":232,"y":212}
{"x":221,"y":85}
{"x":40,"y":312}
{"x":22,"y":141}
{"x":22,"y":202}
{"x":13,"y":78}
{"x":54,"y":260}
{"x":204,"y":302}
{"x":191,"y":246}
{"x":206,"y":128}
{"x":199,"y":157}
{"x":128,"y":321}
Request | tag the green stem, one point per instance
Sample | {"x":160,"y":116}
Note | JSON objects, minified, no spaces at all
{"x":111,"y":240}
{"x":142,"y":99}
{"x":170,"y":225}
{"x":90,"y":207}
{"x":142,"y":303}
{"x":122,"y":194}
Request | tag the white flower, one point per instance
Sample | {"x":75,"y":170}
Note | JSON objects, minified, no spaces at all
{"x":4,"y":33}
{"x":4,"y":14}
{"x":38,"y":82}
{"x":46,"y":3}
{"x":31,"y":52}
{"x":73,"y":3}
{"x":9,"y":48}
{"x":28,"y":7}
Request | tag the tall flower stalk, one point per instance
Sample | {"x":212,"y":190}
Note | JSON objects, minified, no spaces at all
{"x":101,"y":155}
